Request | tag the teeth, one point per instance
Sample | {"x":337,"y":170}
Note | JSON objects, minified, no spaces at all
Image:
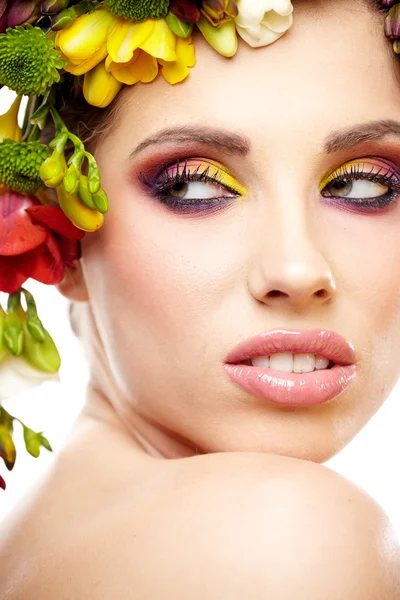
{"x":321,"y":362}
{"x":303,"y":363}
{"x":282,"y":362}
{"x":291,"y":363}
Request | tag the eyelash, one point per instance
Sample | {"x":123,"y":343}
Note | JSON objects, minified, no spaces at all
{"x":164,"y":182}
{"x":389,"y":178}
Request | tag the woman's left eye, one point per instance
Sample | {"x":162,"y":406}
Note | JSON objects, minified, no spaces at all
{"x":369,"y":184}
{"x":194,"y":185}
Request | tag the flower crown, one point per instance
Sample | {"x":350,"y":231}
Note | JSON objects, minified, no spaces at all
{"x":51,"y":195}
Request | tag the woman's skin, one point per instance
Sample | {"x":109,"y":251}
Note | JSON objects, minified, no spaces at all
{"x":165,"y":296}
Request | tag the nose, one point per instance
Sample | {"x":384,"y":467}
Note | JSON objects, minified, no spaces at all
{"x":289,"y":267}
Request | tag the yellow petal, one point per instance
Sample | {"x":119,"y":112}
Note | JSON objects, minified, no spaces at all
{"x":144,"y":69}
{"x":86,"y":35}
{"x":177,"y":71}
{"x":9,"y":127}
{"x":223,"y":38}
{"x":100,"y":87}
{"x":126,"y":37}
{"x":113,"y":67}
{"x":82,"y":67}
{"x":162,"y":42}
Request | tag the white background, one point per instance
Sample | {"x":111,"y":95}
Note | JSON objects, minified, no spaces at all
{"x":371,"y":460}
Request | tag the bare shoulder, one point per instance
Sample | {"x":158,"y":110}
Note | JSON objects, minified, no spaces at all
{"x":230,"y":525}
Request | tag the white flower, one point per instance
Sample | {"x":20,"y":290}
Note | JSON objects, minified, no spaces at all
{"x":17,"y":376}
{"x":262,"y":22}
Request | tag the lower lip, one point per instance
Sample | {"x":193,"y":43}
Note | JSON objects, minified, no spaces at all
{"x":293,"y":389}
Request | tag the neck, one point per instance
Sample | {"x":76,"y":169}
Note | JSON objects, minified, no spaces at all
{"x":105,"y":403}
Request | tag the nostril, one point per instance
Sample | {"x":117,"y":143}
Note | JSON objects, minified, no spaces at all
{"x":276,"y":294}
{"x":322,"y":294}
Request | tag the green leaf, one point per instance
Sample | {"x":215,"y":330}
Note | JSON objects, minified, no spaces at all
{"x":32,"y":442}
{"x":45,"y":443}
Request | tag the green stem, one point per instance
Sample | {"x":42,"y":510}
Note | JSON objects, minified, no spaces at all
{"x":34,"y":134}
{"x":14,"y":301}
{"x":30,"y":109}
{"x":58,"y":122}
{"x":8,"y":417}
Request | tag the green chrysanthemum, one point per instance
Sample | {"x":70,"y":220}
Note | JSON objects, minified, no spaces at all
{"x":29,"y":62}
{"x":19,"y":165}
{"x":139,"y":10}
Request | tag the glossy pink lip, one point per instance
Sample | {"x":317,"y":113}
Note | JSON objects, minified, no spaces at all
{"x":294,"y":389}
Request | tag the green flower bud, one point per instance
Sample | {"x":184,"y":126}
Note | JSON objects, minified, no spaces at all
{"x":84,"y":193}
{"x":13,"y":334}
{"x":138,"y":10}
{"x":94,"y":177}
{"x":64,"y":19}
{"x":53,"y":169}
{"x":29,"y":62}
{"x":44,"y":355}
{"x":3,"y":347}
{"x":36,"y":329}
{"x":20,"y":163}
{"x":101,"y":201}
{"x":53,"y":7}
{"x":34,"y":441}
{"x":39,"y":117}
{"x":7,"y":447}
{"x":71,"y":180}
{"x":179,"y":27}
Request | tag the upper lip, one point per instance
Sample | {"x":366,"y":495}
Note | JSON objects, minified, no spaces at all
{"x":320,"y":342}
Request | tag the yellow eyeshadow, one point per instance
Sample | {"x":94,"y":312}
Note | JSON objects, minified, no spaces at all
{"x":223,"y":176}
{"x":346,"y":169}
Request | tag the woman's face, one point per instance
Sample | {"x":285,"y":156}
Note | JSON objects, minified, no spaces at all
{"x":174,"y":288}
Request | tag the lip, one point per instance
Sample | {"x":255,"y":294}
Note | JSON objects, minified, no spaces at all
{"x":294,"y":389}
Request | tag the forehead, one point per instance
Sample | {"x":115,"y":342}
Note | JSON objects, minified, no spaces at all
{"x":334,"y":68}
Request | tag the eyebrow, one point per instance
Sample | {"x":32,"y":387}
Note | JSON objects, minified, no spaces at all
{"x":236,"y":144}
{"x":365,"y":132}
{"x":232,"y":143}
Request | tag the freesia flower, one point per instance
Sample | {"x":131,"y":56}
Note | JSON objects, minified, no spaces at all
{"x":263,"y":22}
{"x":18,"y":12}
{"x":9,"y":128}
{"x":35,"y":241}
{"x":18,"y":376}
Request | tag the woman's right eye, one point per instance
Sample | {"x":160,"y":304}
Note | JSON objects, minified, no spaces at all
{"x":195,"y":185}
{"x":367,"y":184}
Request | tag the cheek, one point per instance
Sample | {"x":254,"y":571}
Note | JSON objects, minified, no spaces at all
{"x":366,"y":252}
{"x":167,"y":275}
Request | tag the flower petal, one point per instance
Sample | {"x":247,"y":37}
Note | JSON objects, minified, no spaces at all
{"x":82,"y":67}
{"x":53,"y":218}
{"x":43,"y":264}
{"x":100,"y":87}
{"x":126,"y":37}
{"x":86,"y":35}
{"x":161,"y":43}
{"x":17,"y":232}
{"x":177,"y":71}
{"x":10,"y":279}
{"x":144,"y":68}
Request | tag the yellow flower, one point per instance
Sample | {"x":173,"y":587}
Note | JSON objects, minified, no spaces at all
{"x":154,"y":37}
{"x":77,"y":67}
{"x":100,"y":87}
{"x":9,"y":127}
{"x":177,"y":71}
{"x":142,"y":67}
{"x":86,"y":37}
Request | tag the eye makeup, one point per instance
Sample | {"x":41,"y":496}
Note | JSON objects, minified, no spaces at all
{"x":364,"y":184}
{"x":172,"y":185}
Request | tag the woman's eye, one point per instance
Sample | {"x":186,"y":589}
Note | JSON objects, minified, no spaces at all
{"x":356,"y":189}
{"x":194,"y":185}
{"x":366,"y":184}
{"x":197,"y":190}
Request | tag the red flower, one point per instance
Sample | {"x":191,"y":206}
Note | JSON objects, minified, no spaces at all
{"x":36,"y":241}
{"x":2,"y":483}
